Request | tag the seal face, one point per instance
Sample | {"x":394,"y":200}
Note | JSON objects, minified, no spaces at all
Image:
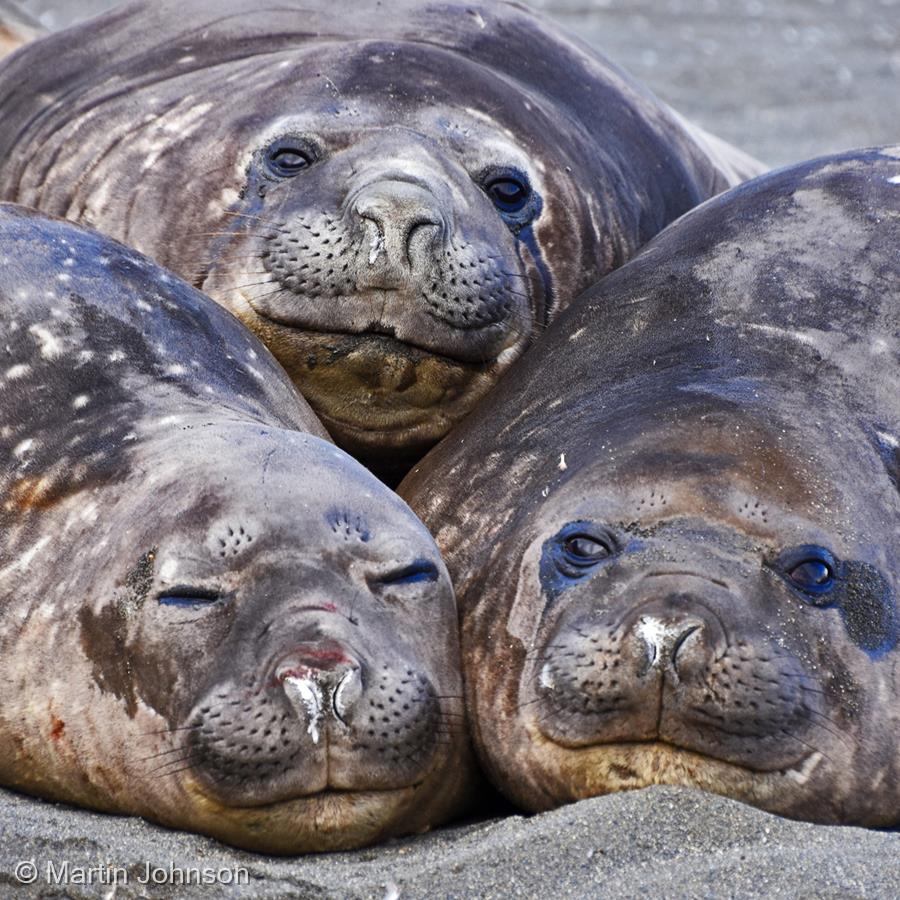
{"x":684,"y":570}
{"x":211,"y":616}
{"x":396,"y":200}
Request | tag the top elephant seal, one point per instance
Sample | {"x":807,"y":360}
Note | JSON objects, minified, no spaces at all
{"x":394,"y":197}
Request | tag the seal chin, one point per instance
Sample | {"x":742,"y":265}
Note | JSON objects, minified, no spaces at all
{"x":603,"y":769}
{"x":325,"y":821}
{"x":379,"y":396}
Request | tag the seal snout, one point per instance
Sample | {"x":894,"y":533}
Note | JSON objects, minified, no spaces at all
{"x":679,"y":668}
{"x":666,"y":637}
{"x":321,"y":682}
{"x":405,"y":223}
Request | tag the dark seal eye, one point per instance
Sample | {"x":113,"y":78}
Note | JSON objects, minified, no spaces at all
{"x":810,"y":569}
{"x":510,"y":194}
{"x":576,"y":552}
{"x":585,"y":550}
{"x":286,"y":158}
{"x":190,"y":597}
{"x":812,"y":575}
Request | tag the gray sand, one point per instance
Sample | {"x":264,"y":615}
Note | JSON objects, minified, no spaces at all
{"x":785,"y":79}
{"x":667,"y":842}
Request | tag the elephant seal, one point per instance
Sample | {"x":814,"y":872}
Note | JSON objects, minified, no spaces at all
{"x":676,"y":554}
{"x":209,"y":615}
{"x":395,"y":197}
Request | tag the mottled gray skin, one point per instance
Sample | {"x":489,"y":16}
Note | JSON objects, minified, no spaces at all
{"x":382,"y":276}
{"x":209,"y":615}
{"x":627,"y":517}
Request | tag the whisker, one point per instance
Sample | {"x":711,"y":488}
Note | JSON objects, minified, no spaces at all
{"x":170,"y":730}
{"x":161,"y":753}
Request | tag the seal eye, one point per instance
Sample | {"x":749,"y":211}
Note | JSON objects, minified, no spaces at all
{"x":421,"y":570}
{"x":810,"y":569}
{"x":585,"y":550}
{"x":812,"y":575}
{"x":286,"y":158}
{"x":190,"y":597}
{"x":510,"y":195}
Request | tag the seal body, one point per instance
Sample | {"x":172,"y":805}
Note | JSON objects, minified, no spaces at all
{"x":676,"y":557}
{"x":209,"y":615}
{"x":395,"y":198}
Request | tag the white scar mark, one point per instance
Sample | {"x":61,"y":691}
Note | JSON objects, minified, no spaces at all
{"x":25,"y":559}
{"x":50,"y":345}
{"x":785,"y":332}
{"x":305,"y":691}
{"x":894,"y":180}
{"x":547,"y":681}
{"x":507,"y":355}
{"x":653,"y":633}
{"x":802,"y":774}
{"x":376,"y":248}
{"x":339,"y":693}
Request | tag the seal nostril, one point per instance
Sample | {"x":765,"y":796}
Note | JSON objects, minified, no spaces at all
{"x":676,"y":647}
{"x":664,"y":639}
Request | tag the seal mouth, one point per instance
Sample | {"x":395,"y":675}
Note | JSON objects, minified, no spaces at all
{"x":346,"y":795}
{"x":385,"y":335}
{"x":798,"y":769}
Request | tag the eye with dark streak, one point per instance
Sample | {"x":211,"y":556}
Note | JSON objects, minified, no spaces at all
{"x":509,"y":194}
{"x":586,"y":550}
{"x":287,"y":157}
{"x":811,"y":570}
{"x":510,"y":190}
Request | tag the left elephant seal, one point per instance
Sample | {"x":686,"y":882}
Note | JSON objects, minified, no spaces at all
{"x":209,"y":615}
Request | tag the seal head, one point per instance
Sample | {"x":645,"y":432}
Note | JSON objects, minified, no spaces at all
{"x":395,"y":199}
{"x":678,"y":565}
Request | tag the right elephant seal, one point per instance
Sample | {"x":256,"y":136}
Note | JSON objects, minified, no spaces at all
{"x":673,"y":528}
{"x":396,"y":198}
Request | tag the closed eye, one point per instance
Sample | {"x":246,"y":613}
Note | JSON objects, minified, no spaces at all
{"x":190,"y":597}
{"x":421,"y":570}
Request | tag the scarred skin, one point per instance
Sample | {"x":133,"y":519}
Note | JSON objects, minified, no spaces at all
{"x":380,"y":271}
{"x":210,"y":616}
{"x":673,"y":529}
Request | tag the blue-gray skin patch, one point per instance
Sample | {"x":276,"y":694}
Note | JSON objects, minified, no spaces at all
{"x":857,"y":590}
{"x":867,"y":606}
{"x":561,"y":569}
